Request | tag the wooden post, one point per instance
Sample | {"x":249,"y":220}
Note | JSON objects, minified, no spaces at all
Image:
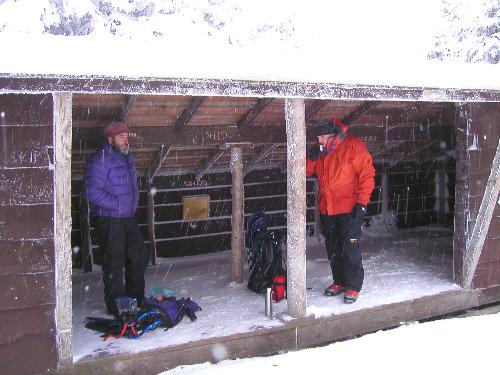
{"x":151,"y":225}
{"x":461,"y":210}
{"x":483,"y":220}
{"x":237,"y":192}
{"x":62,"y":225}
{"x":296,"y":207}
{"x":85,"y":235}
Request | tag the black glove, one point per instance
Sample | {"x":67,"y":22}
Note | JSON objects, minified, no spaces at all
{"x":359,"y":211}
{"x":314,"y":152}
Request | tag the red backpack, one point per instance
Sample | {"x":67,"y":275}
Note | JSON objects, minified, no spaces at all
{"x":279,"y":288}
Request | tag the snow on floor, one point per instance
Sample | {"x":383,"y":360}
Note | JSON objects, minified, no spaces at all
{"x":401,"y":265}
{"x":436,"y":347}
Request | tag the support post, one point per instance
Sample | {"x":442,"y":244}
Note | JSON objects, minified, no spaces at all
{"x":237,"y":191}
{"x":62,"y":225}
{"x":296,"y":207}
{"x":151,"y":225}
{"x":462,"y":189}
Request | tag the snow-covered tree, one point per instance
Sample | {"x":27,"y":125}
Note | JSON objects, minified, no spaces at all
{"x":470,"y":32}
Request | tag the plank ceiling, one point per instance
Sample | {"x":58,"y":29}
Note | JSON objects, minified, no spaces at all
{"x":184,"y":134}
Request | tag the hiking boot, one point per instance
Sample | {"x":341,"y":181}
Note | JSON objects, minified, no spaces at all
{"x":350,"y":296}
{"x":334,"y":290}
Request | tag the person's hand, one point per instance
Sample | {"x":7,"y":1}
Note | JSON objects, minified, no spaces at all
{"x":359,"y":211}
{"x":314,"y":152}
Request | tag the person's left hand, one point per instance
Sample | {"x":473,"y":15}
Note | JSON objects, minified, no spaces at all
{"x":359,"y":212}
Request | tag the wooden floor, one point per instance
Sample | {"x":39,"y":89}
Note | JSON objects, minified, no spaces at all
{"x":295,"y":334}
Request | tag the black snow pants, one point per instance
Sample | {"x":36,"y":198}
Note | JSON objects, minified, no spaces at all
{"x":121,"y":246}
{"x":342,"y":236}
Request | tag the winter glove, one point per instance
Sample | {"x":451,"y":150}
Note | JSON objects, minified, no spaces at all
{"x":314,"y":152}
{"x":359,"y":212}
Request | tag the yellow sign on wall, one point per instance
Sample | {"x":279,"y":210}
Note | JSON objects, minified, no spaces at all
{"x":195,"y":207}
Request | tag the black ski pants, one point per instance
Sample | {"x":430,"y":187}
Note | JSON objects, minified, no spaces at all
{"x":342,"y":236}
{"x":121,"y":246}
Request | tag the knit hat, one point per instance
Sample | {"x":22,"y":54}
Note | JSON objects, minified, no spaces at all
{"x":325,"y":127}
{"x":330,"y":126}
{"x":115,"y":128}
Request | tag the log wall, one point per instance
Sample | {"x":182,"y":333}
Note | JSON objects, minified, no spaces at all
{"x":27,"y":292}
{"x":266,"y":190}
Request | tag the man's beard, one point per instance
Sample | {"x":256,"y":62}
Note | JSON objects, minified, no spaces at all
{"x":124,"y":150}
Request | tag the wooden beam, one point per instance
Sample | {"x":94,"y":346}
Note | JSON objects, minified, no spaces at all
{"x":263,"y":152}
{"x":314,"y":107}
{"x":36,"y":83}
{"x":359,"y":111}
{"x":192,"y":136}
{"x":156,"y":164}
{"x":230,"y":145}
{"x":296,"y":207}
{"x":254,"y":111}
{"x":151,"y":225}
{"x":483,"y":220}
{"x":208,"y":163}
{"x":461,"y":229}
{"x":129,"y":102}
{"x":237,"y":215}
{"x":188,"y":113}
{"x":62,"y":122}
{"x":206,"y":136}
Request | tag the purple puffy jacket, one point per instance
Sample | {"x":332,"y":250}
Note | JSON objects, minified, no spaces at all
{"x":111,"y":183}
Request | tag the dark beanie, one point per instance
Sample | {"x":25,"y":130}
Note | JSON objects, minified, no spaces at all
{"x":115,"y":128}
{"x":325,"y":127}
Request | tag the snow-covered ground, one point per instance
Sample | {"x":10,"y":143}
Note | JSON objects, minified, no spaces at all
{"x":399,"y":266}
{"x":452,"y":346}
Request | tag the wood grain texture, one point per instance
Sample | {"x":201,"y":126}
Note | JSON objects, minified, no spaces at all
{"x":62,"y":241}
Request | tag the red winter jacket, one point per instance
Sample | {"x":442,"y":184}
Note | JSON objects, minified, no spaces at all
{"x":345,"y":176}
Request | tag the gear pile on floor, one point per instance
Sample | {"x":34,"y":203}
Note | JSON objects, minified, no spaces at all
{"x":162,"y":309}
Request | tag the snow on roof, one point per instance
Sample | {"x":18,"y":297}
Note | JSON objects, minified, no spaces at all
{"x":430,"y":43}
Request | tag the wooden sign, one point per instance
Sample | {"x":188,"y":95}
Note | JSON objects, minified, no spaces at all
{"x":195,"y":207}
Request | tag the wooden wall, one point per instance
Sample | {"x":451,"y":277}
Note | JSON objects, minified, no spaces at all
{"x":264,"y":190}
{"x":412,"y":196}
{"x":483,"y":136}
{"x":27,"y":295}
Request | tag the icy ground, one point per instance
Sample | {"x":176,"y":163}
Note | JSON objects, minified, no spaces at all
{"x":429,"y":348}
{"x":401,"y":265}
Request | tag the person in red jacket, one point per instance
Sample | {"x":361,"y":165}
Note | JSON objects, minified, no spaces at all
{"x":345,"y":173}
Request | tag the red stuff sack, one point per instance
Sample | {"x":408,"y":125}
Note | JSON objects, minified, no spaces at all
{"x":279,"y":288}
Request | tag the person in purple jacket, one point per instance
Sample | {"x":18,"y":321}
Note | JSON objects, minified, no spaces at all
{"x":112,"y":191}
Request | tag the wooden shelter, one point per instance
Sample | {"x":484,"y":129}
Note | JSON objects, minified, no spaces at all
{"x":187,"y":132}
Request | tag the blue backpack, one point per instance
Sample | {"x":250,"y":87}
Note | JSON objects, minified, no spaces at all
{"x":173,"y":309}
